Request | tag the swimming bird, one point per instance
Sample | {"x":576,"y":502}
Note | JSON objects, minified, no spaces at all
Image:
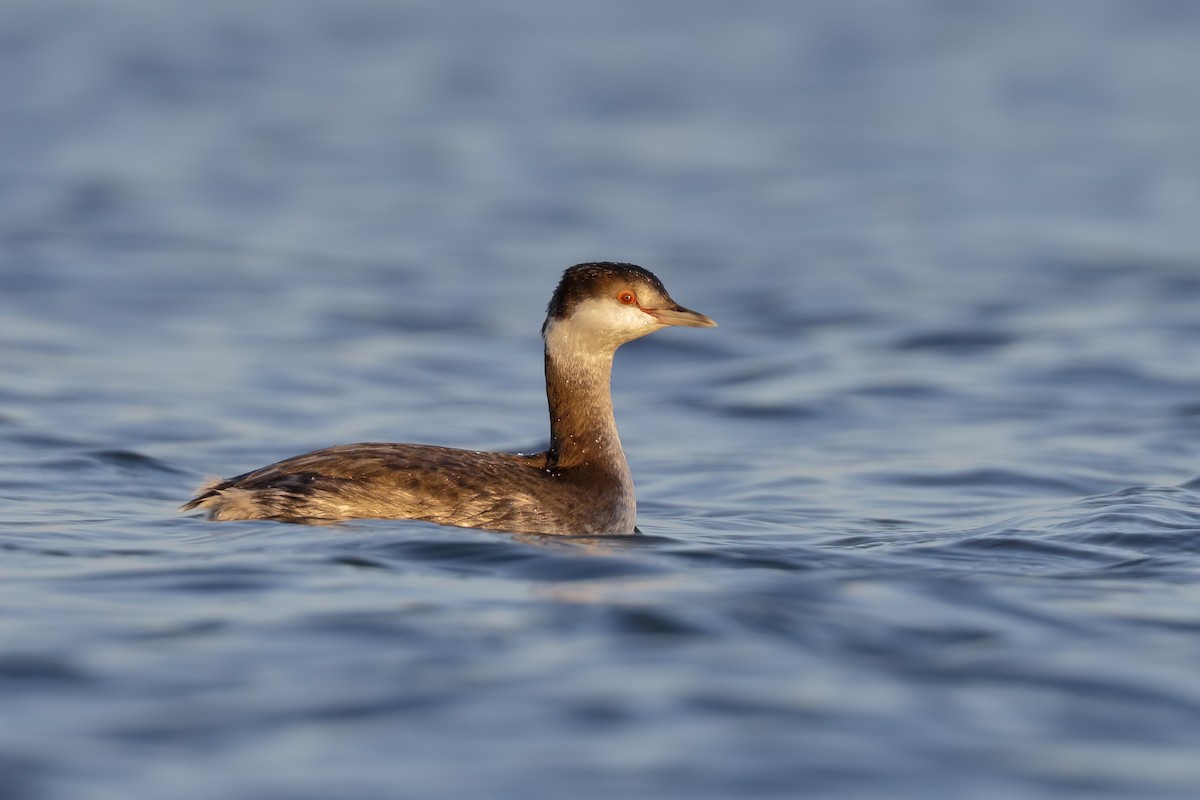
{"x":580,"y":485}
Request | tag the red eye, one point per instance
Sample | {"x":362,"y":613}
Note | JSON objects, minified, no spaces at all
{"x":627,"y":297}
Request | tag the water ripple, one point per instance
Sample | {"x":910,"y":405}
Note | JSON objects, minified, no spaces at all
{"x":922,"y":515}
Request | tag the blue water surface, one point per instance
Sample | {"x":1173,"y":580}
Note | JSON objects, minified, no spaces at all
{"x":922,"y":517}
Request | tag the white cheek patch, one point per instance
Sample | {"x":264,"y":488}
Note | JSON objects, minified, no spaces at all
{"x":599,"y":325}
{"x":605,"y":315}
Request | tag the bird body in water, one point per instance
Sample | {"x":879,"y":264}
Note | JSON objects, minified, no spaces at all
{"x":580,"y":485}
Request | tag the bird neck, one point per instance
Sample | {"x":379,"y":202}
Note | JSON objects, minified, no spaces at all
{"x":583,"y":430}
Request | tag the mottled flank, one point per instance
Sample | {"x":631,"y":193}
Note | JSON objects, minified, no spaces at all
{"x":580,"y":485}
{"x":411,"y":481}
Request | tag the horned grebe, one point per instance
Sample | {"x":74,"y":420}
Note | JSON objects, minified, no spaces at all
{"x":581,"y":485}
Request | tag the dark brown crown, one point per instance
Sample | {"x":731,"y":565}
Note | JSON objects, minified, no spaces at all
{"x":596,"y":279}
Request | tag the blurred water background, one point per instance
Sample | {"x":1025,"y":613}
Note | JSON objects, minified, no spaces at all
{"x":922,"y":516}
